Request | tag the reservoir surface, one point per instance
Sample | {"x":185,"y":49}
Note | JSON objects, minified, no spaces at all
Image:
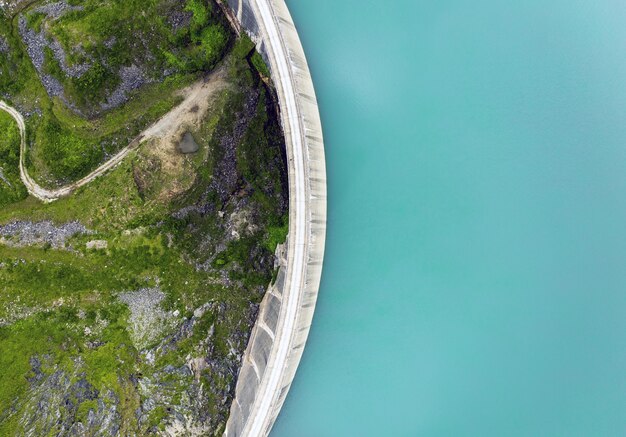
{"x":475,"y":272}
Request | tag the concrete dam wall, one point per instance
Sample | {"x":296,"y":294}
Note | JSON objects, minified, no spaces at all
{"x":278,"y":338}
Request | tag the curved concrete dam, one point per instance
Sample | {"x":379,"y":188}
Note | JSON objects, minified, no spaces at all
{"x":278,"y":338}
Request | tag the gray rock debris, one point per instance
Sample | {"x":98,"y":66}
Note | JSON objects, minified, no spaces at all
{"x":56,"y":10}
{"x":3,"y":178}
{"x":97,"y":244}
{"x":69,"y":70}
{"x":36,"y":44}
{"x":131,"y":78}
{"x":55,"y":398}
{"x":109,"y":43}
{"x":26,"y":233}
{"x":4,"y":45}
{"x":179,"y":19}
{"x":148,"y":320}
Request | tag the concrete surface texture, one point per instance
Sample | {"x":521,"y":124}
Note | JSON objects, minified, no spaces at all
{"x":278,"y":338}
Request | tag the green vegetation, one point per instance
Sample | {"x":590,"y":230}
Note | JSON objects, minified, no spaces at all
{"x":11,"y":188}
{"x":260,"y":65}
{"x":35,"y":20}
{"x":199,"y":229}
{"x":16,"y":71}
{"x":276,"y":235}
{"x":150,"y":34}
{"x":163,"y":45}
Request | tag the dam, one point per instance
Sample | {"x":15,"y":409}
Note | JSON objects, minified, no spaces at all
{"x":279,"y":336}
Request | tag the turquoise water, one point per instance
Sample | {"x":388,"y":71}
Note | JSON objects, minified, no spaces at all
{"x":475,"y":276}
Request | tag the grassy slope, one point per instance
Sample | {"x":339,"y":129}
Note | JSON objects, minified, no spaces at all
{"x":66,"y":146}
{"x":56,"y":294}
{"x":11,"y":188}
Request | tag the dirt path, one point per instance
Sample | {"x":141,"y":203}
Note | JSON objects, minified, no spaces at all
{"x":191,"y":110}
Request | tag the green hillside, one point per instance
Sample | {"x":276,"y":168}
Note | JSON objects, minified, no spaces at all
{"x":125,"y":307}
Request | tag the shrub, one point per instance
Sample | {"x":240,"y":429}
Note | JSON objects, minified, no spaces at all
{"x":213,"y":44}
{"x":92,"y":85}
{"x":200,"y":12}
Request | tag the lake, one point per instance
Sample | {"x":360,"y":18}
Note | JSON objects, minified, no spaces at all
{"x":475,"y":273}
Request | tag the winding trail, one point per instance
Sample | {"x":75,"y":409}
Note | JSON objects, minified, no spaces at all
{"x":195,"y":96}
{"x":44,"y":194}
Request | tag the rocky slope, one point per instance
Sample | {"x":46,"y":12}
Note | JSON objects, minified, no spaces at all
{"x":126,"y":307}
